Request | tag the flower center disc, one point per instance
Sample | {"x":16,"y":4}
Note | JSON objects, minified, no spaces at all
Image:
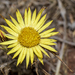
{"x":29,"y":37}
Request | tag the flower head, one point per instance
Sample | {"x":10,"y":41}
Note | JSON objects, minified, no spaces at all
{"x":27,"y":37}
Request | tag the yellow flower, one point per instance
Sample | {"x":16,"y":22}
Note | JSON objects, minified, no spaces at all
{"x":28,"y":37}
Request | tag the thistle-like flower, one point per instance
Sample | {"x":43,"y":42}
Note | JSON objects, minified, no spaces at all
{"x":28,"y":37}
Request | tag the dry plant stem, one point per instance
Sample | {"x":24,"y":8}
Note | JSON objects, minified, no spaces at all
{"x":61,"y":40}
{"x":63,"y":62}
{"x":2,"y":72}
{"x":50,"y":64}
{"x":59,"y":62}
{"x":36,"y":66}
{"x":46,"y":73}
{"x":6,"y":64}
{"x":6,"y":70}
{"x":63,"y":14}
{"x":37,"y":71}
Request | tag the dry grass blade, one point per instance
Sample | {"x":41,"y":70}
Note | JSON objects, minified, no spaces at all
{"x":65,"y":41}
{"x":46,"y":73}
{"x":63,"y":14}
{"x":63,"y":62}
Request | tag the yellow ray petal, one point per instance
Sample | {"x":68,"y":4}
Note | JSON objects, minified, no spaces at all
{"x":38,"y":16}
{"x":17,"y":53}
{"x":41,"y":25}
{"x":13,"y":45}
{"x":41,"y":60}
{"x":41,"y":21}
{"x":20,"y":57}
{"x":47,"y":42}
{"x":27,"y":58}
{"x":8,"y":42}
{"x":29,"y":17}
{"x":26,"y":17}
{"x":31,"y":55}
{"x":19,"y":18}
{"x":37,"y":52}
{"x":50,"y":34}
{"x":15,"y":22}
{"x":10,"y":36}
{"x":43,"y":51}
{"x":33,"y":16}
{"x":12,"y":26}
{"x":24,"y":54}
{"x":48,"y":31}
{"x":9,"y":30}
{"x":14,"y":49}
{"x":45,"y":26}
{"x":48,"y":47}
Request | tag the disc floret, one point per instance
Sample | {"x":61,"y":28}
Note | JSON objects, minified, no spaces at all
{"x":29,"y":37}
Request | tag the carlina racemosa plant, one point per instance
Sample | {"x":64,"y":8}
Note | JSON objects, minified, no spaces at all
{"x":27,"y":37}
